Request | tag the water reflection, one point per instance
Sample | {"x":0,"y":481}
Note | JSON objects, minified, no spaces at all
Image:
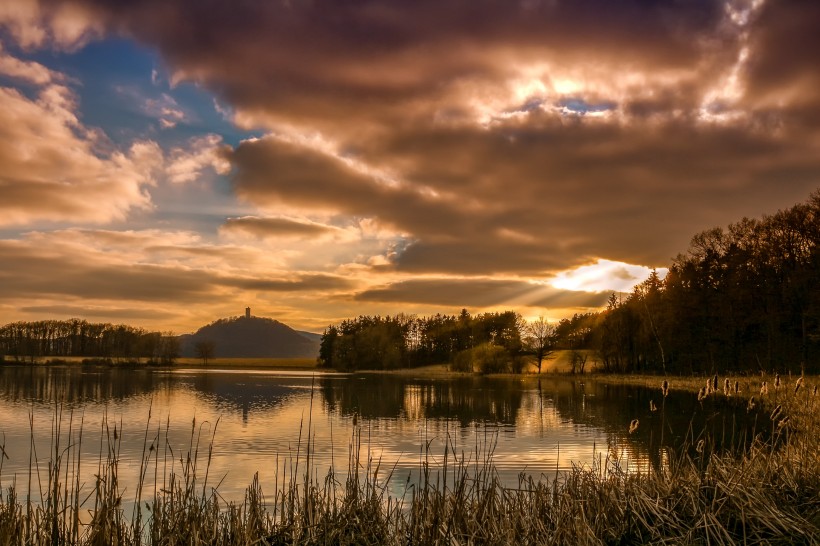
{"x":538,"y":426}
{"x":465,"y":400}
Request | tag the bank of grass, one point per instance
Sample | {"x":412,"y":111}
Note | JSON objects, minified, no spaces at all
{"x":747,"y":385}
{"x":767,"y":494}
{"x":253,"y":363}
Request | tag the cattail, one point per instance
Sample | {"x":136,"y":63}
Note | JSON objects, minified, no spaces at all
{"x":737,"y":387}
{"x":633,"y":426}
{"x":652,"y":406}
{"x":776,"y":412}
{"x":727,"y":387}
{"x":764,"y":389}
{"x":665,"y":388}
{"x":700,"y":445}
{"x":751,"y":405}
{"x":814,"y":392}
{"x":355,"y":419}
{"x":798,"y":384}
{"x":708,"y":388}
{"x":701,"y":394}
{"x":715,"y":383}
{"x":783,"y":422}
{"x":776,"y":381}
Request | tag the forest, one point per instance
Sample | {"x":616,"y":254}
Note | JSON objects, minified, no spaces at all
{"x":30,"y":341}
{"x":744,"y":298}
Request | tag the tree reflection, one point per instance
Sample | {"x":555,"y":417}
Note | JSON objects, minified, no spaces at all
{"x":466,"y":400}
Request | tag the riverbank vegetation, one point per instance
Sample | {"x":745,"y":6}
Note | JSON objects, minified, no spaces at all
{"x":766,"y":493}
{"x":740,"y":299}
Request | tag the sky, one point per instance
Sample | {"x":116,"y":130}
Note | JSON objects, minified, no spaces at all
{"x":164,"y":163}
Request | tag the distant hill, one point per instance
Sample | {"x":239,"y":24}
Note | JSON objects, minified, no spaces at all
{"x":252,"y":337}
{"x":311,"y":336}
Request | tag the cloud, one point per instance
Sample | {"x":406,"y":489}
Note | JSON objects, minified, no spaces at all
{"x":52,"y":171}
{"x":781,"y":74}
{"x":275,"y":227}
{"x":186,"y":164}
{"x":467,"y":292}
{"x":305,"y":282}
{"x":161,"y":107}
{"x":134,"y":273}
{"x":504,"y":138}
{"x":107,"y":312}
{"x":27,"y":71}
{"x":29,"y":273}
{"x":32,"y":24}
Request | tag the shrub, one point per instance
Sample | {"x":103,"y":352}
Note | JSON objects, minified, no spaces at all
{"x":486,"y":358}
{"x":463,"y":362}
{"x":491,"y":358}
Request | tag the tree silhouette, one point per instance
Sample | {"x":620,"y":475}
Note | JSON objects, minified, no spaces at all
{"x":205,"y":350}
{"x":540,"y":339}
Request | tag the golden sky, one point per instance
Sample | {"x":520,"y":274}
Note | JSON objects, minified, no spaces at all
{"x":168,"y":162}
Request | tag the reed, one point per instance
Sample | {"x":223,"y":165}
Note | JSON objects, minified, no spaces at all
{"x":766,"y":494}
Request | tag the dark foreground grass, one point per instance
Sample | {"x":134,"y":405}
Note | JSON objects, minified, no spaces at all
{"x":768,"y":494}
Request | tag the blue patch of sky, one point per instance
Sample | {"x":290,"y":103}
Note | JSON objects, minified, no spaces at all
{"x":580,"y":106}
{"x":114,"y":84}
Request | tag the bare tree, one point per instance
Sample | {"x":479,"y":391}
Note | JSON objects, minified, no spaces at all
{"x":578,"y":361}
{"x":205,"y":350}
{"x":540,"y":339}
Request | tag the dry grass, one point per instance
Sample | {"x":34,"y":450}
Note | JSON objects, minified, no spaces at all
{"x":253,"y":363}
{"x":769,"y":494}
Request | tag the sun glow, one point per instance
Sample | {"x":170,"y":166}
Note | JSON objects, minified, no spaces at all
{"x":604,"y":275}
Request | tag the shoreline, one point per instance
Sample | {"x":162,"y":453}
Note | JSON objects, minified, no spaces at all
{"x":749,"y":384}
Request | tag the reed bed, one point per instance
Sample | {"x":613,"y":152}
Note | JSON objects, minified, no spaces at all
{"x":767,"y":494}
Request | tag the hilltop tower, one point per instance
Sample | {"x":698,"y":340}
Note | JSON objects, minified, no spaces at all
{"x":247,"y":312}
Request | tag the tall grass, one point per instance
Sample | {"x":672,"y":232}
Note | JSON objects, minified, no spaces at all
{"x":769,"y":493}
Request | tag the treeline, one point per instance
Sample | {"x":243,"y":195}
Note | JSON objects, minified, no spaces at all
{"x":402,"y":341}
{"x":742,"y":298}
{"x":28,"y":341}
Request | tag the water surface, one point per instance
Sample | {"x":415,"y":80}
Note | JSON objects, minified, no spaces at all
{"x":258,"y":421}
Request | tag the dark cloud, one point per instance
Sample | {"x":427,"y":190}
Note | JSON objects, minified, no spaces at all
{"x":482,"y":293}
{"x":32,"y":273}
{"x":537,"y":197}
{"x":364,"y":62}
{"x":107,"y":313}
{"x":301,"y":283}
{"x":782,"y":72}
{"x":29,"y":273}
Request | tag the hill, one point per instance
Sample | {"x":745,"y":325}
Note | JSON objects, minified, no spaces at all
{"x":252,"y":337}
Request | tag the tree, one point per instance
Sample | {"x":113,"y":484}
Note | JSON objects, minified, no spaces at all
{"x":578,"y":361}
{"x":205,"y":350}
{"x":540,"y":339}
{"x":169,"y":348}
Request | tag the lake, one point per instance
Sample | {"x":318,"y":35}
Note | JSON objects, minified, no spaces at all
{"x":258,"y":421}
